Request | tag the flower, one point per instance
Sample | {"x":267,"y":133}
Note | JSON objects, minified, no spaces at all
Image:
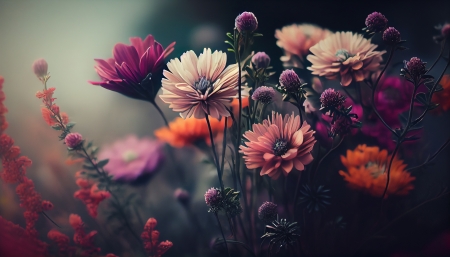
{"x":90,"y":195}
{"x":282,"y":234}
{"x":442,"y":97}
{"x":331,"y":100}
{"x":445,"y":31}
{"x":392,"y":97}
{"x":264,"y":94}
{"x":85,"y":241}
{"x":185,"y":132}
{"x":261,"y":60}
{"x":341,"y":126}
{"x":182,"y":196}
{"x":391,"y":36}
{"x":296,"y":39}
{"x":130,"y":158}
{"x":278,"y":145}
{"x":290,"y":81}
{"x":127,"y":73}
{"x":345,"y":56}
{"x":267,"y":212}
{"x":213,"y":198}
{"x":198,"y":85}
{"x":40,"y":68}
{"x":246,"y":22}
{"x":414,"y":69}
{"x":367,"y":172}
{"x":73,"y":140}
{"x":314,"y":198}
{"x":376,"y":22}
{"x":150,"y":236}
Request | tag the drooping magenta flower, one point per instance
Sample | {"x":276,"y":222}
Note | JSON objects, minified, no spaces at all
{"x":345,"y":56}
{"x":130,"y":158}
{"x":278,"y":145}
{"x":135,"y":70}
{"x":195,"y":85}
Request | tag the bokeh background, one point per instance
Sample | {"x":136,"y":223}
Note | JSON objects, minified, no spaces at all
{"x":70,"y":34}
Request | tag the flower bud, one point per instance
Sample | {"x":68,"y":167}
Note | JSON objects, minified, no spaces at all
{"x":290,"y":81}
{"x":40,"y":68}
{"x":246,"y":22}
{"x":261,"y":60}
{"x":376,"y":22}
{"x":391,"y":36}
{"x":73,"y":140}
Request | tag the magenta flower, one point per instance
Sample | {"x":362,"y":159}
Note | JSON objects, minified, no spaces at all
{"x":131,"y":157}
{"x":135,"y":70}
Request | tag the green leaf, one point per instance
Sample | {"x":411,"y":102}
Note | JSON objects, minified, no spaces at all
{"x":422,"y":98}
{"x":257,"y":34}
{"x":88,"y":167}
{"x":229,"y":35}
{"x":56,"y":127}
{"x":70,"y":125}
{"x":102,"y":163}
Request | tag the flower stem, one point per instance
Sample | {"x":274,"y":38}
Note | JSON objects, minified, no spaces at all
{"x":325,"y":156}
{"x":213,"y":146}
{"x":223,"y":235}
{"x":161,"y":113}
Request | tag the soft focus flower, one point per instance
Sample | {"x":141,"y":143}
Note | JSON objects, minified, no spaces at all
{"x":126,"y":72}
{"x":376,"y":22}
{"x":443,"y":97}
{"x":182,"y":196}
{"x":391,"y":36}
{"x":344,"y":56}
{"x":197,"y":85}
{"x":415,"y":69}
{"x":367,"y":172}
{"x":290,"y":81}
{"x":246,"y":22}
{"x":393,"y":96}
{"x":264,"y":94}
{"x":260,"y":60}
{"x":150,"y":236}
{"x":278,"y":145}
{"x":213,"y":198}
{"x":331,"y":100}
{"x":296,"y":39}
{"x":267,"y":212}
{"x":445,"y":31}
{"x":185,"y":132}
{"x":85,"y":241}
{"x":341,"y":126}
{"x":62,"y":241}
{"x":130,"y":158}
{"x":90,"y":195}
{"x":73,"y":140}
{"x":40,"y":68}
{"x":314,"y":198}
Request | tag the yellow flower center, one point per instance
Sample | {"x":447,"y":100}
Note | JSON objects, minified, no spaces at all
{"x":375,"y":169}
{"x":129,"y":156}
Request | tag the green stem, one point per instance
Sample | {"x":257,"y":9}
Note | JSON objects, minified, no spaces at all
{"x":223,"y":235}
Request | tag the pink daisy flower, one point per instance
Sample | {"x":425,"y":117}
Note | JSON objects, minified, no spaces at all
{"x":296,"y":39}
{"x":127,"y":72}
{"x":278,"y":145}
{"x":345,"y":56}
{"x":197,"y":85}
{"x":130,"y":158}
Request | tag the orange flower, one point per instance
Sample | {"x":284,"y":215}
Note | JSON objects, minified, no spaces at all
{"x":367,"y":171}
{"x":442,"y":97}
{"x":185,"y":132}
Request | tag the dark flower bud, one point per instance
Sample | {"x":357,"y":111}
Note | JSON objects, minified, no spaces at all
{"x":376,"y":22}
{"x":391,"y":36}
{"x":246,"y":22}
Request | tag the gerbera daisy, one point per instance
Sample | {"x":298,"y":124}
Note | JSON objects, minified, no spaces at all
{"x":278,"y":145}
{"x":442,"y":97}
{"x":186,"y":132}
{"x":344,"y":56}
{"x":128,"y":73}
{"x":296,"y":39}
{"x":367,"y":172}
{"x":197,"y":85}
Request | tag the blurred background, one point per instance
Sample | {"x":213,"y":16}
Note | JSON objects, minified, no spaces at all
{"x":70,"y":34}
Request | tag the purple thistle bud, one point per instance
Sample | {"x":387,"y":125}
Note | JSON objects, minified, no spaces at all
{"x":341,"y":126}
{"x":246,"y":22}
{"x":267,"y":212}
{"x":73,"y":140}
{"x":376,"y":22}
{"x":331,"y":99}
{"x":213,"y":198}
{"x":445,"y":31}
{"x":261,"y":60}
{"x":40,"y":68}
{"x":264,"y":94}
{"x":290,"y":81}
{"x":391,"y":36}
{"x":416,"y":68}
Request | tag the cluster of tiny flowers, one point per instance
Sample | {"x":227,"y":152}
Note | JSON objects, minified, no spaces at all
{"x":331,"y":100}
{"x":50,"y":112}
{"x":62,"y":241}
{"x":391,"y":36}
{"x":261,"y":60}
{"x":150,"y":236}
{"x":416,"y":68}
{"x":267,"y":212}
{"x":213,"y":199}
{"x":290,"y":81}
{"x":73,"y":140}
{"x":85,"y":241}
{"x":246,"y":22}
{"x":376,"y":22}
{"x":264,"y":94}
{"x":90,"y":195}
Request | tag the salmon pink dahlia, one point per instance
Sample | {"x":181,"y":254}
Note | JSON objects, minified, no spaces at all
{"x":278,"y":145}
{"x":345,"y":56}
{"x":197,"y":85}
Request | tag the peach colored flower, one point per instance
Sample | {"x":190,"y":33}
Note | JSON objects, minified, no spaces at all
{"x":278,"y":145}
{"x":367,"y":172}
{"x":345,"y":56}
{"x":197,"y":85}
{"x":296,"y":39}
{"x":442,"y":97}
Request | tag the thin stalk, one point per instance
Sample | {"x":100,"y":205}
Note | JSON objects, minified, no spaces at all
{"x":224,"y":145}
{"x":161,"y":113}
{"x":213,"y":146}
{"x":223,"y":235}
{"x":431,"y":158}
{"x":439,"y":56}
{"x":325,"y":156}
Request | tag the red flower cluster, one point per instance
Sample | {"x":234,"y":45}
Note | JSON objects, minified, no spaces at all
{"x":90,"y":195}
{"x":14,"y":171}
{"x":50,"y":111}
{"x":62,"y":241}
{"x":151,"y":236}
